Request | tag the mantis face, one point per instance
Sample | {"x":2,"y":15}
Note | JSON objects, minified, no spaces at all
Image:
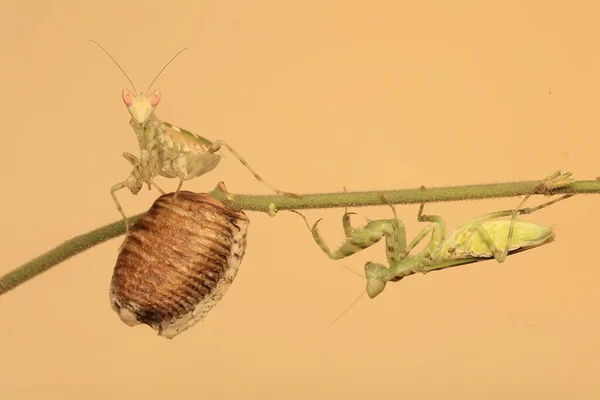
{"x":377,"y":276}
{"x":141,"y":106}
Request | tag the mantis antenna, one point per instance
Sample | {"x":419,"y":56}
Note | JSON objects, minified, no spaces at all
{"x":115,"y":61}
{"x":166,"y":65}
{"x":126,"y":76}
{"x":348,"y":308}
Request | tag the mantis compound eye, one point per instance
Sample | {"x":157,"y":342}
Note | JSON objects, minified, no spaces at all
{"x":178,"y":261}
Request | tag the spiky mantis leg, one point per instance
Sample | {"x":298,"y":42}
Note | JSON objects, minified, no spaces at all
{"x":361,"y":238}
{"x":137,"y":164}
{"x":348,"y":229}
{"x":216,"y":146}
{"x":399,"y":261}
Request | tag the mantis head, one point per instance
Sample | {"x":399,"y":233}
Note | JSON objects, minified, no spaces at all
{"x":141,"y":106}
{"x":377,"y":276}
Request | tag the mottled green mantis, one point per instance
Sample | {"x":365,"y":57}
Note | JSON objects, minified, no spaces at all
{"x":165,"y":149}
{"x":477,"y":240}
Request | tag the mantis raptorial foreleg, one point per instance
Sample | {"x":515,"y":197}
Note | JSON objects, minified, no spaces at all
{"x":358,"y":239}
{"x":133,"y":160}
{"x":348,"y":229}
{"x":362,"y":238}
{"x":135,"y":180}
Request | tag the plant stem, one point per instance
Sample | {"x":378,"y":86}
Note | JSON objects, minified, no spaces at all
{"x":401,"y":196}
{"x":60,"y":253}
{"x":266,"y":204}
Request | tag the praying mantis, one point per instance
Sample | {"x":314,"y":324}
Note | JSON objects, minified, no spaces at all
{"x":165,"y":149}
{"x":477,"y":240}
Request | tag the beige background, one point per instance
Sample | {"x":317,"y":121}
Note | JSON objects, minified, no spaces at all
{"x":316,"y":95}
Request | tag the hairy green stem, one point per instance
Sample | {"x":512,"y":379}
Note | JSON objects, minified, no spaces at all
{"x":269,"y":204}
{"x":402,"y":196}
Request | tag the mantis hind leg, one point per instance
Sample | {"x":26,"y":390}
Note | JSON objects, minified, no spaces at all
{"x":501,"y":256}
{"x":180,"y":165}
{"x":554,"y":181}
{"x":181,"y":179}
{"x":217,"y":145}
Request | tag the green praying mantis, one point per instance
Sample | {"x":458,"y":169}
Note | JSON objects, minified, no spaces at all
{"x":165,"y":149}
{"x":477,"y":240}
